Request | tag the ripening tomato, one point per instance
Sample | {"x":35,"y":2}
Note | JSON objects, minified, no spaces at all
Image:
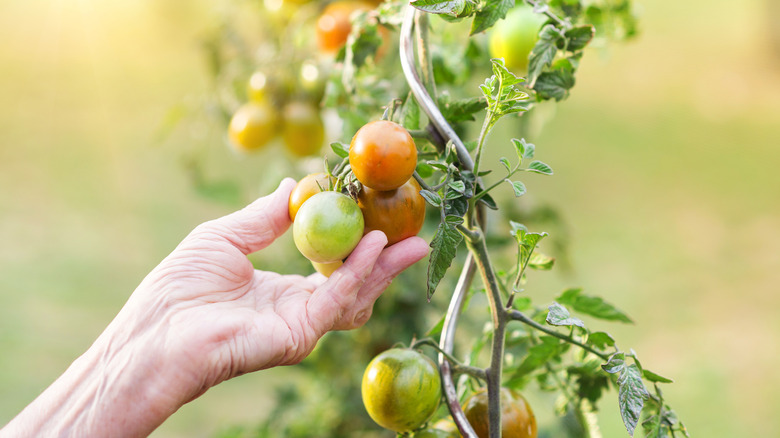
{"x":307,"y":187}
{"x":401,"y":389}
{"x":327,"y":269}
{"x":327,"y":227}
{"x":303,"y":131}
{"x":517,"y":418}
{"x":334,"y":25}
{"x":514,"y":37}
{"x":398,"y":213}
{"x":383,"y":155}
{"x":257,"y":87}
{"x":253,"y":126}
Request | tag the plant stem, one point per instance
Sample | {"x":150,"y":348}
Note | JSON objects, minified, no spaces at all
{"x":520,"y":316}
{"x":545,"y":9}
{"x":478,"y":248}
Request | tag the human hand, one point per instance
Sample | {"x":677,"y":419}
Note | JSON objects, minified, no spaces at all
{"x":205,"y":315}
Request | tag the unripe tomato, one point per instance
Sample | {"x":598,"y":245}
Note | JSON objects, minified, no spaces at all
{"x":333,"y":25}
{"x":398,"y":213}
{"x":307,"y":187}
{"x":257,"y":87}
{"x":303,"y":130}
{"x":430,"y":432}
{"x":253,"y":126}
{"x":517,"y":418}
{"x":383,"y":155}
{"x":401,"y":389}
{"x":327,"y":227}
{"x":327,"y":268}
{"x":514,"y":37}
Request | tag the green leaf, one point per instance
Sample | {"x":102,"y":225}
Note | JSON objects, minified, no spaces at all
{"x":432,"y":198}
{"x":554,"y":84}
{"x":504,"y":162}
{"x":444,"y":247}
{"x":435,"y":331}
{"x":540,"y":167}
{"x":537,"y":356}
{"x":591,"y":305}
{"x":615,"y":364}
{"x":454,"y":220}
{"x":519,"y":148}
{"x":410,"y":113}
{"x":457,"y":186}
{"x":452,"y":8}
{"x":461,"y":110}
{"x":340,"y":149}
{"x":518,"y":187}
{"x":631,"y":396}
{"x":558,"y":315}
{"x":579,"y":36}
{"x":541,"y":262}
{"x":543,"y":52}
{"x":600,"y":340}
{"x":425,"y":170}
{"x":489,"y":13}
{"x":653,"y":377}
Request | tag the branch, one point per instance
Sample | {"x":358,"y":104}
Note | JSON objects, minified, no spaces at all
{"x":520,"y":316}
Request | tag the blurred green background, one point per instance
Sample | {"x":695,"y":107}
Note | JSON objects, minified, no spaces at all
{"x":665,"y":160}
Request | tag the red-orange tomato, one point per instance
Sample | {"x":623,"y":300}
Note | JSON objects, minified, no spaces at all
{"x":398,"y":213}
{"x":307,"y":187}
{"x":517,"y":418}
{"x":383,"y":155}
{"x":333,"y":25}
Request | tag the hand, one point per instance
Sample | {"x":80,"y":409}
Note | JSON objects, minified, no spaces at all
{"x":205,"y":315}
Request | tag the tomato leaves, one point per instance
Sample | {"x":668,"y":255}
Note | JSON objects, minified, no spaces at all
{"x":444,"y":247}
{"x":592,"y":305}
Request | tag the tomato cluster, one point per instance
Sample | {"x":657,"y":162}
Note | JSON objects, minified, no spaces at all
{"x":256,"y":123}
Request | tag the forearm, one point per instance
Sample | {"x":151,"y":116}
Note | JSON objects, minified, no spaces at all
{"x":114,"y":389}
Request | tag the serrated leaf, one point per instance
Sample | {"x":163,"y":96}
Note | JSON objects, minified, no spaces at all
{"x":454,"y":220}
{"x":462,"y":110}
{"x":528,"y":149}
{"x":558,"y":315}
{"x":579,"y":36}
{"x":653,"y":377}
{"x":600,"y":340}
{"x":554,"y":84}
{"x":615,"y":364}
{"x":519,"y":148}
{"x":444,"y":247}
{"x":540,"y":167}
{"x":457,"y":186}
{"x":425,"y":170}
{"x":538,"y":355}
{"x":516,"y":229}
{"x":457,"y":206}
{"x":518,"y":187}
{"x":438,"y":165}
{"x":431,"y":197}
{"x":489,"y":13}
{"x":543,"y":52}
{"x":505,"y":162}
{"x":410,"y":113}
{"x":591,"y":305}
{"x":541,"y":261}
{"x":631,"y":396}
{"x":340,"y":149}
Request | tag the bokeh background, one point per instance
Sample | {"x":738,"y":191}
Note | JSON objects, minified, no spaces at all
{"x":666,"y":160}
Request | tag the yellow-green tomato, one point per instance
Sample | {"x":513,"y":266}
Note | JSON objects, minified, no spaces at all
{"x":303,"y":130}
{"x":253,"y":126}
{"x":514,"y":37}
{"x":327,"y":227}
{"x":327,"y":269}
{"x":401,"y":389}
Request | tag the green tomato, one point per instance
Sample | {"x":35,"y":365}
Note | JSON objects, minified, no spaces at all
{"x":327,"y":227}
{"x":514,"y":37}
{"x":401,"y":389}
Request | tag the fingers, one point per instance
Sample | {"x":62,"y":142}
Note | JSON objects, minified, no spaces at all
{"x":345,"y":301}
{"x":257,"y":225}
{"x":331,"y":300}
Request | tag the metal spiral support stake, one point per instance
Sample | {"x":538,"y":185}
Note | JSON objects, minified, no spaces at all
{"x":443,"y":128}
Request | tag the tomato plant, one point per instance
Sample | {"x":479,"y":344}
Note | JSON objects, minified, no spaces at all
{"x":440,"y":98}
{"x":517,"y":418}
{"x":383,"y":155}
{"x":303,"y":131}
{"x":401,"y":389}
{"x":327,"y":227}
{"x":399,"y":213}
{"x":253,"y":126}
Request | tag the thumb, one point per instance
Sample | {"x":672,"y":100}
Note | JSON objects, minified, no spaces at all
{"x":257,"y":225}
